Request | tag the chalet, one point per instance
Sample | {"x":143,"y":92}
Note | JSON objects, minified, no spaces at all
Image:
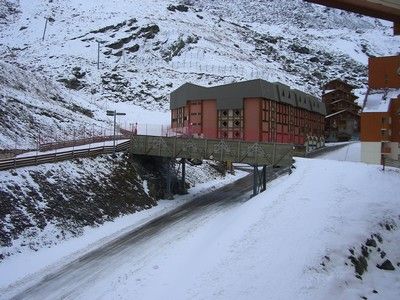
{"x":380,"y":118}
{"x":255,"y":110}
{"x":343,"y":113}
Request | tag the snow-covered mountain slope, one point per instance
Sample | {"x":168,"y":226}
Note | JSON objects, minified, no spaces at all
{"x":32,"y":107}
{"x":149,"y":48}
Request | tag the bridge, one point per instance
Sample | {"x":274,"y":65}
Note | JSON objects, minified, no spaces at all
{"x":252,"y":153}
{"x":256,"y":154}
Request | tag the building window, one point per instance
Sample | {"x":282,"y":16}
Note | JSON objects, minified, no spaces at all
{"x":180,"y":118}
{"x":230,"y":123}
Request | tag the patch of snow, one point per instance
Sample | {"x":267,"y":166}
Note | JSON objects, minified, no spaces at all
{"x":351,"y":152}
{"x":145,"y":187}
{"x":379,"y":100}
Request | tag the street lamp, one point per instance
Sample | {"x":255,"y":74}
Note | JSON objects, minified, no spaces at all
{"x":114,"y":114}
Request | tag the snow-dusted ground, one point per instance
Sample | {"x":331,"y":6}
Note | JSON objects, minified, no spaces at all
{"x":28,"y":262}
{"x":351,"y":152}
{"x":291,"y":242}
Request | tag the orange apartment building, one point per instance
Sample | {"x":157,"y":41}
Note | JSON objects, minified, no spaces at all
{"x":380,"y":119}
{"x":342,"y":121}
{"x":254,"y":110}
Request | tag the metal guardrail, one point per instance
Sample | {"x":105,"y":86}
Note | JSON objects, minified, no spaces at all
{"x":392,"y":163}
{"x":253,"y":153}
{"x":79,"y":142}
{"x":18,"y":162}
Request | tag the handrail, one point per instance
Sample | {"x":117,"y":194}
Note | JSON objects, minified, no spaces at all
{"x":25,"y":161}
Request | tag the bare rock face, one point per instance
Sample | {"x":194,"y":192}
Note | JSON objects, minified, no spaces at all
{"x":371,"y":242}
{"x":386,"y":265}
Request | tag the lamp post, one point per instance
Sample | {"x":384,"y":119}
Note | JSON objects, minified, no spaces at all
{"x":114,"y":114}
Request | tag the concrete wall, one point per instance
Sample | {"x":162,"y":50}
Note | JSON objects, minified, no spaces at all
{"x":371,"y":152}
{"x":394,"y":153}
{"x":252,"y":119}
{"x":209,"y":119}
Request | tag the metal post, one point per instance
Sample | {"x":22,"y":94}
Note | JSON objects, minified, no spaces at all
{"x":45,"y":27}
{"x":255,"y":180}
{"x":183,"y":174}
{"x":98,"y":55}
{"x":73,"y":144}
{"x":115,"y":121}
{"x":264,"y":178}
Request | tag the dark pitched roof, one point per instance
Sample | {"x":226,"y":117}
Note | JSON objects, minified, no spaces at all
{"x":230,"y":96}
{"x":338,"y":81}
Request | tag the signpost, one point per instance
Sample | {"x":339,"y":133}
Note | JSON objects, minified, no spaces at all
{"x":114,"y":114}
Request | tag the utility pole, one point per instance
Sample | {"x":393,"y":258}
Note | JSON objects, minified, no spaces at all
{"x":98,"y":55}
{"x":114,"y":114}
{"x":45,"y":27}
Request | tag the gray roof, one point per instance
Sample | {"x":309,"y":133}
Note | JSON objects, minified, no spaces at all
{"x":230,"y":96}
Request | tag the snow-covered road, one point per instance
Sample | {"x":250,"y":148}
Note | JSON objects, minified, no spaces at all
{"x":136,"y":248}
{"x":290,"y":242}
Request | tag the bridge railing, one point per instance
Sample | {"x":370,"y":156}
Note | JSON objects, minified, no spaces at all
{"x":254,"y":153}
{"x":178,"y":146}
{"x":33,"y":160}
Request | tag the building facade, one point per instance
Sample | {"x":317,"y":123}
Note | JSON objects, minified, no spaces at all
{"x":254,"y":110}
{"x":342,"y":121}
{"x":380,"y":119}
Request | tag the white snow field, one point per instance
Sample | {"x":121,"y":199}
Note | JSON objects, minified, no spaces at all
{"x":351,"y":152}
{"x":291,"y":242}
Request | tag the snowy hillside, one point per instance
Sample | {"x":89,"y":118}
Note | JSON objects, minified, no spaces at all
{"x":148,"y":48}
{"x":32,"y":105}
